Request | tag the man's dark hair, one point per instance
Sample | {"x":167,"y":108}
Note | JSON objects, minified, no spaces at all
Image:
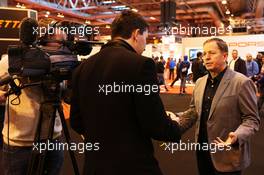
{"x":220,"y":43}
{"x":126,"y":23}
{"x":199,"y":54}
{"x":27,"y":34}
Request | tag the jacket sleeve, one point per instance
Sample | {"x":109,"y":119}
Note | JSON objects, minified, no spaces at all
{"x":255,"y":68}
{"x":193,"y":65}
{"x":249,"y":110}
{"x":189,"y":64}
{"x":3,"y":72}
{"x":243,"y":67}
{"x":188,"y":117}
{"x":75,"y":113}
{"x":149,"y":108}
{"x":261,"y":110}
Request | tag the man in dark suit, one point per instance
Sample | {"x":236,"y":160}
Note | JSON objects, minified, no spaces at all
{"x":259,"y":61}
{"x":226,"y":104}
{"x":198,"y":68}
{"x":121,"y":123}
{"x":237,"y":64}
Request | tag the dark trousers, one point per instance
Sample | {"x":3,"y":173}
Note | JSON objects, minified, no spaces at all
{"x":176,"y":79}
{"x":183,"y":84}
{"x":161,"y":80}
{"x":206,"y":167}
{"x":16,"y":160}
{"x":171,"y":76}
{"x":2,"y":118}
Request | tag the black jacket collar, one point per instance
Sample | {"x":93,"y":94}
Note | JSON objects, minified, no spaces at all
{"x":119,"y":43}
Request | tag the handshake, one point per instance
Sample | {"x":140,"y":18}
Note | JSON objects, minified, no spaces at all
{"x":173,"y":116}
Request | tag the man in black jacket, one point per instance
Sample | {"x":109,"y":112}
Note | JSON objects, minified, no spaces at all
{"x":118,"y":120}
{"x":198,"y":68}
{"x":237,"y":64}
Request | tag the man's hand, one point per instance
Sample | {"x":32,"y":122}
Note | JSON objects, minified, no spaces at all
{"x":232,"y":138}
{"x":173,"y":116}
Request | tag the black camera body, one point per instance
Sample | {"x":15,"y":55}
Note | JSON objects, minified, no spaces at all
{"x":40,"y":63}
{"x":35,"y":65}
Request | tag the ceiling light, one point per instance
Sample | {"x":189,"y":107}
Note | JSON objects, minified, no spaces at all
{"x":47,"y":12}
{"x":227,"y":12}
{"x":108,"y":2}
{"x":224,"y":2}
{"x":46,"y":15}
{"x":18,"y":5}
{"x":60,"y":15}
{"x":23,"y":6}
{"x":107,"y":26}
{"x":152,"y":18}
{"x":87,"y":22}
{"x":135,"y":10}
{"x":120,"y":7}
{"x":232,"y":15}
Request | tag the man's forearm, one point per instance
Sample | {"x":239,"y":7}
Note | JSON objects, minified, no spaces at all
{"x":187,"y":119}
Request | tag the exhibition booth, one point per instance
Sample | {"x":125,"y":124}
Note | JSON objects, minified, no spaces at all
{"x":191,"y":45}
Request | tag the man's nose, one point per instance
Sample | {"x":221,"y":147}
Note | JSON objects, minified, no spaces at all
{"x":206,"y":57}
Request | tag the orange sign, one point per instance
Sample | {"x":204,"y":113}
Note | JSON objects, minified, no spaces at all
{"x":242,"y":44}
{"x":9,"y":23}
{"x":232,"y":44}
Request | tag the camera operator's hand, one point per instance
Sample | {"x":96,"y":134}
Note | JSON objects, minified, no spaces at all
{"x":2,"y":96}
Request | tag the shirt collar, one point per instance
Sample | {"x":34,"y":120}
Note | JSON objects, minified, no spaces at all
{"x":219,"y":77}
{"x":236,"y":59}
{"x":119,"y":43}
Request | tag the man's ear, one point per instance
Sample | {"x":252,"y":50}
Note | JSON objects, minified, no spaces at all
{"x":135,"y":34}
{"x":225,"y":56}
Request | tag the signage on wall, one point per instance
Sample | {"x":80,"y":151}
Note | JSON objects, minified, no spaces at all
{"x":232,"y":44}
{"x":10,"y":19}
{"x":252,"y":43}
{"x":242,"y":44}
{"x":245,"y":44}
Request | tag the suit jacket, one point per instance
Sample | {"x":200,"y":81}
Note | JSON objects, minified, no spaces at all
{"x":233,"y":109}
{"x":240,"y":66}
{"x":122,"y":123}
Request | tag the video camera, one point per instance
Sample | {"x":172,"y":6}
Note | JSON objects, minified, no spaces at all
{"x":33,"y":59}
{"x":37,"y":63}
